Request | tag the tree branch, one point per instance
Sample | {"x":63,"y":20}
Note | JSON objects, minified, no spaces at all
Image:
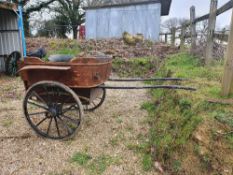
{"x":39,"y":7}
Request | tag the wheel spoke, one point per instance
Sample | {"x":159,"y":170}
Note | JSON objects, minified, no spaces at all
{"x":97,"y":102}
{"x":41,"y":122}
{"x":40,"y":98}
{"x":38,"y":113}
{"x":69,"y":109}
{"x":68,"y":128}
{"x":40,"y":106}
{"x":48,"y":95}
{"x":58,"y":131}
{"x":72,"y":120}
{"x":93,"y":103}
{"x":50,"y":122}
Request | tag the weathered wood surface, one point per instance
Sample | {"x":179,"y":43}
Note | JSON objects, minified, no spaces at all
{"x":193,"y":28}
{"x":210,"y":34}
{"x":227,"y":83}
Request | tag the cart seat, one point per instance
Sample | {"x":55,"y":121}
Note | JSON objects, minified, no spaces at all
{"x":60,"y":58}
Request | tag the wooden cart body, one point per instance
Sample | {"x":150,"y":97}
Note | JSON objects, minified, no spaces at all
{"x":82,"y":75}
{"x":78,"y":73}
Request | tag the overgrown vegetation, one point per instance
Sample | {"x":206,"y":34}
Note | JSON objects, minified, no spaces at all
{"x":136,"y":67}
{"x":185,"y":129}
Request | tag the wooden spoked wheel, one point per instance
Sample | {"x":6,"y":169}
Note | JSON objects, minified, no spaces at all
{"x":53,"y":110}
{"x":97,"y":102}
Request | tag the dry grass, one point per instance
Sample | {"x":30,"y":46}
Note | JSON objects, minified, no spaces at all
{"x":105,"y":134}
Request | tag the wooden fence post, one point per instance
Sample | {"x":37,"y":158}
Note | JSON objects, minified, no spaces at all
{"x":166,"y":38}
{"x":227,"y":83}
{"x":173,"y":31}
{"x":211,"y":29}
{"x":193,"y":28}
{"x":223,"y":35}
{"x":182,"y":36}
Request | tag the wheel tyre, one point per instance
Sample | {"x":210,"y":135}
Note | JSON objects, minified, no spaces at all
{"x":11,"y":63}
{"x":93,"y":106}
{"x":36,"y":128}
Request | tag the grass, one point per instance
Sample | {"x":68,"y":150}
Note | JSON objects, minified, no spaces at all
{"x":175,"y":116}
{"x":101,"y":163}
{"x":7,"y":123}
{"x":66,"y":47}
{"x":117,"y":139}
{"x":136,"y":67}
{"x":96,"y":165}
{"x":81,"y":158}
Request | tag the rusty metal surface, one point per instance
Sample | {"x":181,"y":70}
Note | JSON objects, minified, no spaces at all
{"x":82,"y":72}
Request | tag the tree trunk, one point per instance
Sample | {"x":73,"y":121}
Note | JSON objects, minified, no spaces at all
{"x":26,"y":24}
{"x":75,"y":32}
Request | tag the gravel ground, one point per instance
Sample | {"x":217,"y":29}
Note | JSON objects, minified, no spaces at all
{"x":107,"y":131}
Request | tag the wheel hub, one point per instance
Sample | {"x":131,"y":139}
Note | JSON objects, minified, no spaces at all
{"x":54,"y":110}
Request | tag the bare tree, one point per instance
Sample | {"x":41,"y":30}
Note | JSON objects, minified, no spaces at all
{"x":29,"y":8}
{"x":170,"y":24}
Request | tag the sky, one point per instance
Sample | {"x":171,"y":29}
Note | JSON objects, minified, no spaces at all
{"x":180,"y":9}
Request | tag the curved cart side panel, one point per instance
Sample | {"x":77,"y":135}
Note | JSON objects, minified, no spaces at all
{"x":73,"y":75}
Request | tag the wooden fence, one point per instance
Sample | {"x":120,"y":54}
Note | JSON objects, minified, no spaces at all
{"x":227,"y":83}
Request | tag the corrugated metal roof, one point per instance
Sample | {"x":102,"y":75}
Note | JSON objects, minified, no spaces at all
{"x":8,"y":6}
{"x":166,"y":4}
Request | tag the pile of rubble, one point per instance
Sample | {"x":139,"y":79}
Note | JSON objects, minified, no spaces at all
{"x":112,"y":47}
{"x":118,"y":48}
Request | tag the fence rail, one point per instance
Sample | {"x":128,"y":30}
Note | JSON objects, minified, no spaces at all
{"x":220,"y":35}
{"x":227,"y":84}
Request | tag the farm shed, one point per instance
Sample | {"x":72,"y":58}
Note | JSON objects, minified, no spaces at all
{"x":111,"y":20}
{"x":10,"y":32}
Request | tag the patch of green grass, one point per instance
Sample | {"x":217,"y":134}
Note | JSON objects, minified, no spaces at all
{"x":119,"y":120}
{"x":135,"y":67}
{"x":62,"y":173}
{"x":173,"y":116}
{"x":117,"y":139}
{"x":68,"y":51}
{"x":7,"y":123}
{"x":66,"y":47}
{"x":176,"y":166}
{"x":229,"y":139}
{"x":150,"y":107}
{"x":224,"y":117}
{"x":101,"y":163}
{"x":93,"y":165}
{"x":81,"y":158}
{"x":147,"y":162}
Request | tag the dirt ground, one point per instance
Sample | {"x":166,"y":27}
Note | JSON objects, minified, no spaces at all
{"x":107,"y":131}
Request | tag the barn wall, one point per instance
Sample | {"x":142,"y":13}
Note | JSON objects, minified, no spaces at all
{"x":112,"y":22}
{"x":9,"y":40}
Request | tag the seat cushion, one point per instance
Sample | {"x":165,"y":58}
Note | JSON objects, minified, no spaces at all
{"x":60,"y":58}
